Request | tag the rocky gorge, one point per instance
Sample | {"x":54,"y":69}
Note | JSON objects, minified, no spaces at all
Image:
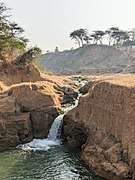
{"x":29,"y":102}
{"x":103,"y":126}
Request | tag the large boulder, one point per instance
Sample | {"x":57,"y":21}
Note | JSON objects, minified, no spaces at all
{"x":30,"y":96}
{"x":14,"y":129}
{"x":91,"y":82}
{"x":65,"y":86}
{"x":12,"y":74}
{"x":42,"y":119}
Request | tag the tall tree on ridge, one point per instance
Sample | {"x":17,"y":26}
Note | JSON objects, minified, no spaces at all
{"x":80,"y":36}
{"x":98,"y":36}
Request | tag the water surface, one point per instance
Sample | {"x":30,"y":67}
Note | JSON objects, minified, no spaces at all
{"x":44,"y":159}
{"x":56,"y":163}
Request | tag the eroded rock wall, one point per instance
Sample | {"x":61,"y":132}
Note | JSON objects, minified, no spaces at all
{"x":11,"y":74}
{"x":29,"y":103}
{"x":26,"y":111}
{"x":107,"y":114}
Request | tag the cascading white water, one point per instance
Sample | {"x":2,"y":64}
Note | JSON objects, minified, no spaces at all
{"x":53,"y":137}
{"x":55,"y":131}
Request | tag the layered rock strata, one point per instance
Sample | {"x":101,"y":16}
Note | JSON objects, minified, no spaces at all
{"x":26,"y":111}
{"x":29,"y":102}
{"x":103,"y":125}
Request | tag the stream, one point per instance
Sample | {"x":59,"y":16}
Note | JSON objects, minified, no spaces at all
{"x":45,"y":159}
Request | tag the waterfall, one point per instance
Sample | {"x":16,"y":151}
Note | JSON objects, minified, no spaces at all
{"x":53,"y":137}
{"x":55,"y":130}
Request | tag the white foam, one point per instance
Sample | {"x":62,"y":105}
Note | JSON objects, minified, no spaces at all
{"x":39,"y":144}
{"x":53,"y":138}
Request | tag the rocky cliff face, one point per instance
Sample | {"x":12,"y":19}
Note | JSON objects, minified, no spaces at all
{"x":26,"y":112}
{"x":29,"y":102}
{"x":103,"y":125}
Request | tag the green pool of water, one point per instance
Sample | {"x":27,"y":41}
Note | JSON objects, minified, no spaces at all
{"x":56,"y":163}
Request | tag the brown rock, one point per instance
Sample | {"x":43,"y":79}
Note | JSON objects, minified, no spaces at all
{"x":42,"y":120}
{"x":12,"y":74}
{"x":29,"y":102}
{"x":8,"y":104}
{"x":107,"y":113}
{"x":114,"y":153}
{"x":15,"y":129}
{"x":29,"y":98}
{"x":3,"y":86}
{"x":76,"y":134}
{"x":65,"y":87}
{"x":93,"y":80}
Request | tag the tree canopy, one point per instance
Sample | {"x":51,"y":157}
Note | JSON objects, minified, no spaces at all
{"x":80,"y":36}
{"x":114,"y":36}
{"x":11,"y":34}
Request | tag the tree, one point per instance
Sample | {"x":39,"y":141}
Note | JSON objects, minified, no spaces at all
{"x":117,"y":36}
{"x":80,"y":36}
{"x":10,"y":34}
{"x":29,"y":56}
{"x":130,"y":42}
{"x":114,"y":35}
{"x":74,"y":35}
{"x":87,"y":39}
{"x":110,"y":33}
{"x":132,"y":34}
{"x":120,"y":37}
{"x":97,"y":36}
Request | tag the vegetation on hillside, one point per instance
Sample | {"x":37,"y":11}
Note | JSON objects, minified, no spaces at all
{"x":11,"y":35}
{"x":13,"y":45}
{"x":28,"y":56}
{"x":112,"y":36}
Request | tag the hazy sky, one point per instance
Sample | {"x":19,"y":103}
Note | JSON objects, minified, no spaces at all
{"x":48,"y":23}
